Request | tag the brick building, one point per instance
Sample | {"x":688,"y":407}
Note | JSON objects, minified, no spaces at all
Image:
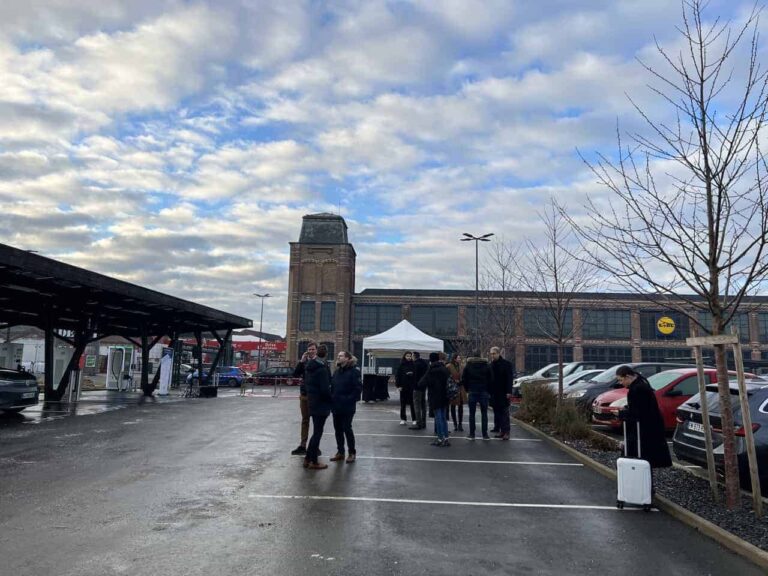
{"x":323,"y":306}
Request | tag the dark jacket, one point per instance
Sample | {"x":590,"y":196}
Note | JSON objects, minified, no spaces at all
{"x":477,"y":377}
{"x":346,"y":387}
{"x":318,"y":382}
{"x":642,"y":407}
{"x":502,"y":380}
{"x":437,"y":385}
{"x":420,"y":368}
{"x":301,"y":372}
{"x":406,"y":376}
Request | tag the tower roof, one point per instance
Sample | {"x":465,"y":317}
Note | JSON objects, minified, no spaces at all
{"x":323,"y":228}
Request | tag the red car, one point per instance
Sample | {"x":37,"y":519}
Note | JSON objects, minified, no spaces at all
{"x":673,"y":387}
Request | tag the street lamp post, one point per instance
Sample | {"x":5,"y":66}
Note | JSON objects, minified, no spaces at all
{"x":261,"y":324}
{"x":476,"y":239}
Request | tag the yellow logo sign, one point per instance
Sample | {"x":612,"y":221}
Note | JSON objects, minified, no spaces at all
{"x":665,"y":325}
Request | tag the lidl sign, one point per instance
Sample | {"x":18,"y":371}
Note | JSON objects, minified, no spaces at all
{"x":665,"y":325}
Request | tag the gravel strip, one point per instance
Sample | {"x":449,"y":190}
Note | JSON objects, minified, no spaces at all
{"x":692,"y":493}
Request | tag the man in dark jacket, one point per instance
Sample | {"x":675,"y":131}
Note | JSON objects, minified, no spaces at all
{"x":477,"y":378}
{"x":436,"y":379}
{"x":501,"y":391}
{"x":301,"y":372}
{"x":420,"y":368}
{"x":346,"y":387}
{"x":318,"y":386}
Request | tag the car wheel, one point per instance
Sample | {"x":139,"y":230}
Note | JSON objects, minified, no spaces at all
{"x":232,"y":382}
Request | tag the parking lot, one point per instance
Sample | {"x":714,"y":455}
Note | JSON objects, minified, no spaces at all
{"x":207,"y":486}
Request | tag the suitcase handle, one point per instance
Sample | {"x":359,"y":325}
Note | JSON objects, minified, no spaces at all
{"x":626,"y":448}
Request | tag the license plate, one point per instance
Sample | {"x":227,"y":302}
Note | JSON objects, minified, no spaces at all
{"x":695,"y":426}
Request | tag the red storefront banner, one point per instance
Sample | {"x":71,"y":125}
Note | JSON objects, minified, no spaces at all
{"x":278,"y":347}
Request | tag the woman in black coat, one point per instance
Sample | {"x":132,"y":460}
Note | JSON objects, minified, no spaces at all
{"x":405,"y":380}
{"x":643,"y":408}
{"x":318,"y":385}
{"x":347,"y":386}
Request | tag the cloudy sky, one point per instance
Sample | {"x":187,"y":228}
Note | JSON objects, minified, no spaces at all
{"x":177,"y":144}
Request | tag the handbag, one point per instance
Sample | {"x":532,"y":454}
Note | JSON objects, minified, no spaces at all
{"x":453,"y":389}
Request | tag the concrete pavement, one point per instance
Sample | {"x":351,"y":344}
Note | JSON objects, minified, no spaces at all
{"x":207,"y":486}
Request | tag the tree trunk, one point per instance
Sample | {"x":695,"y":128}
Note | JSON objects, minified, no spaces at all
{"x":732,"y":494}
{"x":559,"y":374}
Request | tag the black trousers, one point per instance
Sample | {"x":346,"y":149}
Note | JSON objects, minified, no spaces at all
{"x":318,"y":423}
{"x":342,"y":426}
{"x":461,"y":414}
{"x":406,"y":399}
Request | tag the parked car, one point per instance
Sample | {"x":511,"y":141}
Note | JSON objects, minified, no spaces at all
{"x":572,"y":372}
{"x":688,"y":442}
{"x":672,"y":388}
{"x":567,"y":381}
{"x":268,"y":376}
{"x":585,"y":393}
{"x":18,"y":390}
{"x":228,"y":376}
{"x":546,"y":372}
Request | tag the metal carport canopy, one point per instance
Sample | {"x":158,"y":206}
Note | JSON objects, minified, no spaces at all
{"x":35,"y":290}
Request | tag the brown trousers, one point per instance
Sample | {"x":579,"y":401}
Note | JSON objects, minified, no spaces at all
{"x":304,"y":407}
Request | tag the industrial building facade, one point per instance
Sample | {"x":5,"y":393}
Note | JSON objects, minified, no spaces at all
{"x":323,"y":307}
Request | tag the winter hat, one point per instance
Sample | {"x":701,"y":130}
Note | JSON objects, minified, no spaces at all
{"x":434,"y":356}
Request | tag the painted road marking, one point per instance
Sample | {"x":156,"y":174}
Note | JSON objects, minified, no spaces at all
{"x":509,"y":462}
{"x":442,"y":502}
{"x":427,"y":437}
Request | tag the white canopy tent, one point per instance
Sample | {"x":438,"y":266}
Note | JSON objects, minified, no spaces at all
{"x":400,"y":338}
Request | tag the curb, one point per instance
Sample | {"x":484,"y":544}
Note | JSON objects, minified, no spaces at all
{"x":723,"y":537}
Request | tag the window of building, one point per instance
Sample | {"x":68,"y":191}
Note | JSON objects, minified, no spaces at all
{"x":540,"y":323}
{"x":307,"y":316}
{"x":606,"y":324}
{"x":497,"y":319}
{"x":328,"y":316}
{"x":649,"y":330}
{"x":436,"y":320}
{"x":539,"y":356}
{"x":614,"y":354}
{"x":762,"y":327}
{"x":375,"y":318}
{"x":741,"y":321}
{"x":665,"y":354}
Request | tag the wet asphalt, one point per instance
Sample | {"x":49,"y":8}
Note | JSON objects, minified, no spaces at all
{"x":207,"y":486}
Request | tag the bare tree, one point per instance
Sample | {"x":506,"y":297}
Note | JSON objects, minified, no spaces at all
{"x":688,"y":219}
{"x":555,"y":275}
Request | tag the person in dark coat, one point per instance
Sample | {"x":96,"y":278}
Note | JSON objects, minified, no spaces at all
{"x":346,"y":387}
{"x":301,"y":372}
{"x":436,"y":379}
{"x":419,"y":392}
{"x":318,"y":385}
{"x":501,"y":392}
{"x":642,"y":407}
{"x":477,"y":378}
{"x":405,"y":380}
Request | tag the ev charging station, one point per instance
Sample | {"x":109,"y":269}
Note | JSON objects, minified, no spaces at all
{"x":119,"y":360}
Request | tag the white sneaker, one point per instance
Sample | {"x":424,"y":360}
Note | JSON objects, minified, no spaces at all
{"x":414,"y":423}
{"x":403,"y":422}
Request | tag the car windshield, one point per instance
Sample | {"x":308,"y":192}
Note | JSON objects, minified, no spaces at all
{"x":658,"y":381}
{"x":606,"y":375}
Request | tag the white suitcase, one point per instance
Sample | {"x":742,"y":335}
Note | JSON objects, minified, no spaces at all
{"x":634,"y":478}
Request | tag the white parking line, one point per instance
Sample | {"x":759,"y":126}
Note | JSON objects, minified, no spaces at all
{"x":427,"y":437}
{"x":442,"y":502}
{"x":508,"y":462}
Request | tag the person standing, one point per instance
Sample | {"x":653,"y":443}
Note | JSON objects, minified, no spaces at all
{"x":477,"y":378}
{"x":301,"y":372}
{"x":405,"y":380}
{"x":436,"y":379}
{"x":643,"y":408}
{"x":419,"y":392}
{"x":320,"y":404}
{"x":501,"y":392}
{"x":346,"y":386}
{"x":457,"y":404}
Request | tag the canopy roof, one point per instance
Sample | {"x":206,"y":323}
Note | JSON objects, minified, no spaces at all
{"x":399,"y":339}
